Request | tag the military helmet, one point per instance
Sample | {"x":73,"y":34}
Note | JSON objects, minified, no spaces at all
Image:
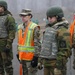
{"x":55,"y":11}
{"x":3,"y":4}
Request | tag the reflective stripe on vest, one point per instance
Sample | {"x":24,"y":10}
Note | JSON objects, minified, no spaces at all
{"x":26,"y":43}
{"x":26,"y":49}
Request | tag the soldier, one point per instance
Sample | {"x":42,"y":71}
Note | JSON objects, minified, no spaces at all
{"x":28,"y":43}
{"x":7,"y":35}
{"x":55,"y":48}
{"x":72,"y":31}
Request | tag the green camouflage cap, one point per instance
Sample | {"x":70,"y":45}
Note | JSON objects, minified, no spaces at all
{"x":25,"y":12}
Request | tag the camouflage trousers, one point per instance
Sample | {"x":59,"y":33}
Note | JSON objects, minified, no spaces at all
{"x":49,"y":66}
{"x":50,"y":71}
{"x":28,"y":69}
{"x":5,"y":64}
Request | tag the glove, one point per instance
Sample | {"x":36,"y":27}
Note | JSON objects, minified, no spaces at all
{"x":40,"y":66}
{"x":17,"y":55}
{"x":8,"y":46}
{"x":34,"y":62}
{"x":57,"y":72}
{"x":7,"y":49}
{"x":73,"y":46}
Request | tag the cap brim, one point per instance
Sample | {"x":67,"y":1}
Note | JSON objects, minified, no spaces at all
{"x":21,"y":14}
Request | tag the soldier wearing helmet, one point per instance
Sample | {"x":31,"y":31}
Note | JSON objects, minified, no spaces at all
{"x":55,"y":48}
{"x":3,"y":4}
{"x":7,"y":35}
{"x":55,"y":12}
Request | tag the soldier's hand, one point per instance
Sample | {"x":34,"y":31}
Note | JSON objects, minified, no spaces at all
{"x":73,"y":46}
{"x":17,"y":55}
{"x":34,"y":61}
{"x":40,"y":66}
{"x":7,"y":49}
{"x":8,"y":46}
{"x":57,"y":72}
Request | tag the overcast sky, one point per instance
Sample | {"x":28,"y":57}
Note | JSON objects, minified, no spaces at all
{"x":38,"y":5}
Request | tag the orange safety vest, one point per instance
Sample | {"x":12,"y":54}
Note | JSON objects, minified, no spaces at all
{"x":72,"y":31}
{"x":26,"y":42}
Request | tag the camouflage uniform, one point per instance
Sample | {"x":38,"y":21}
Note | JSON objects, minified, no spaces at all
{"x":50,"y":64}
{"x":6,"y":41}
{"x":27,"y":67}
{"x":72,"y":27}
{"x":54,"y":65}
{"x":72,"y":31}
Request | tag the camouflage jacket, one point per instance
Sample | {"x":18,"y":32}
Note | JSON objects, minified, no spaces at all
{"x":10,"y":27}
{"x":62,"y":53}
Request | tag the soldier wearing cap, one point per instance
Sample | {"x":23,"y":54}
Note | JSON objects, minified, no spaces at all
{"x":28,"y":43}
{"x":7,"y":35}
